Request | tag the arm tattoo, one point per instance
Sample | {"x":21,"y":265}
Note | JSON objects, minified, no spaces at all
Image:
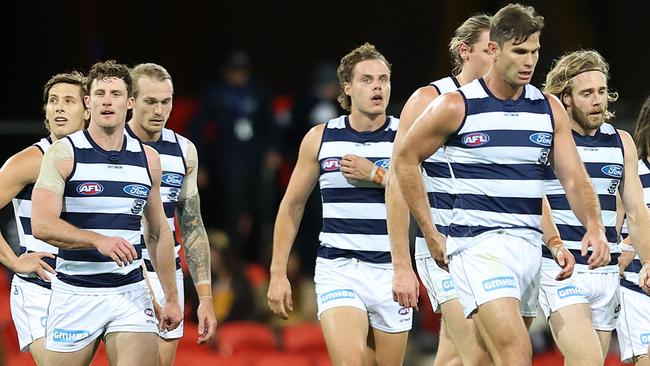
{"x":197,"y":248}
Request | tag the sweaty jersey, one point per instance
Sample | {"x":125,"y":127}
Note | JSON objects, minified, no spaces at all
{"x":497,"y":159}
{"x":602,"y":155}
{"x":354,"y":212}
{"x":23,"y":213}
{"x":631,"y":280}
{"x":105,"y":193}
{"x":172,"y":149}
{"x":438,"y":182}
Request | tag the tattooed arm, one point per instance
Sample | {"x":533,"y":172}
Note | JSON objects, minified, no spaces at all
{"x":197,"y":248}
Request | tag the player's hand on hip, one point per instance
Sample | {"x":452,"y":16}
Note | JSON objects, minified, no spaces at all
{"x":644,"y":277}
{"x":171,"y":316}
{"x":34,"y":263}
{"x":406,"y":288}
{"x":207,"y":326}
{"x":279,"y":297}
{"x":624,"y":260}
{"x":120,"y":250}
{"x":599,"y":248}
{"x":437,"y":244}
{"x":356,"y":167}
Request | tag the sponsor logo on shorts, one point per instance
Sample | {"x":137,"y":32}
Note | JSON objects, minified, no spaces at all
{"x":331,"y":164}
{"x":645,"y":339}
{"x":475,"y":139}
{"x":497,"y":283}
{"x":541,"y":138}
{"x":90,"y":188}
{"x":404,"y":311}
{"x":137,"y":190}
{"x":337,"y":294}
{"x":148,"y":312}
{"x":69,"y":335}
{"x":613,"y":170}
{"x":569,"y":291}
{"x":383,"y":163}
{"x":16,"y":290}
{"x":43,"y":321}
{"x":447,"y":285}
{"x":172,"y":179}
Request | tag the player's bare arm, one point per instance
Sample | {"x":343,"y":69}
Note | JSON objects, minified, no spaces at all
{"x":638,"y":219}
{"x":158,"y":239}
{"x":196,"y":245}
{"x":580,"y":193}
{"x":405,"y":284}
{"x":302,"y":182}
{"x":428,"y":133}
{"x":17,"y":172}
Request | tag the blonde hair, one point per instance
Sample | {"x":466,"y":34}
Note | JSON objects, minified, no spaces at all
{"x":559,"y":80}
{"x":151,"y":70}
{"x":364,"y":52}
{"x":469,"y":33}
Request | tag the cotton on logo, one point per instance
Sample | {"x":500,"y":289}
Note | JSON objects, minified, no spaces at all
{"x":90,"y":188}
{"x":476,"y":139}
{"x":331,"y":164}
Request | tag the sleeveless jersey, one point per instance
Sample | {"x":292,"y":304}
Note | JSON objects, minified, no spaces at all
{"x":602,"y":155}
{"x":497,"y":159}
{"x":105,"y":193}
{"x":354,"y":212}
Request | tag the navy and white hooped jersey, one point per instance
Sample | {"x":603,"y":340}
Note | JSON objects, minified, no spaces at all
{"x":498,"y":158}
{"x":172,"y":149}
{"x":437,"y":181}
{"x":602,"y":155}
{"x":631,"y":280}
{"x":23,"y":214}
{"x":105,"y":193}
{"x":354,"y":212}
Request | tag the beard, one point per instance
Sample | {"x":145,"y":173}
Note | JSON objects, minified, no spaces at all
{"x":586,"y":120}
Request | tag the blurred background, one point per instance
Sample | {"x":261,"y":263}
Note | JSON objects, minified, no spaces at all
{"x":250,"y":79}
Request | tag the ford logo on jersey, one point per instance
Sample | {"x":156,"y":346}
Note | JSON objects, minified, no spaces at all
{"x":613,"y":170}
{"x":136,"y":190}
{"x":90,"y":188}
{"x":172,"y":179}
{"x":383,"y":163}
{"x":331,"y":164}
{"x":541,"y":138}
{"x":476,"y":139}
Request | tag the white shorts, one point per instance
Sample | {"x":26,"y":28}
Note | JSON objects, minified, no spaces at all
{"x":633,"y":327}
{"x":160,"y":297}
{"x":438,"y":282}
{"x":28,"y":310}
{"x":598,"y":289}
{"x":498,"y":265}
{"x":75,"y":320}
{"x":367,"y":286}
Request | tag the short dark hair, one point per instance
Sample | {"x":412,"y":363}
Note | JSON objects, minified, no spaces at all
{"x":110,"y":69}
{"x":515,"y":22}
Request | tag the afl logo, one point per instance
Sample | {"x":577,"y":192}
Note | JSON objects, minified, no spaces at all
{"x":331,"y":164}
{"x":404,"y":311}
{"x":136,"y":190}
{"x":90,"y":188}
{"x":172,"y":179}
{"x":383,"y":163}
{"x":541,"y":138}
{"x":476,"y":139}
{"x":615,"y":171}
